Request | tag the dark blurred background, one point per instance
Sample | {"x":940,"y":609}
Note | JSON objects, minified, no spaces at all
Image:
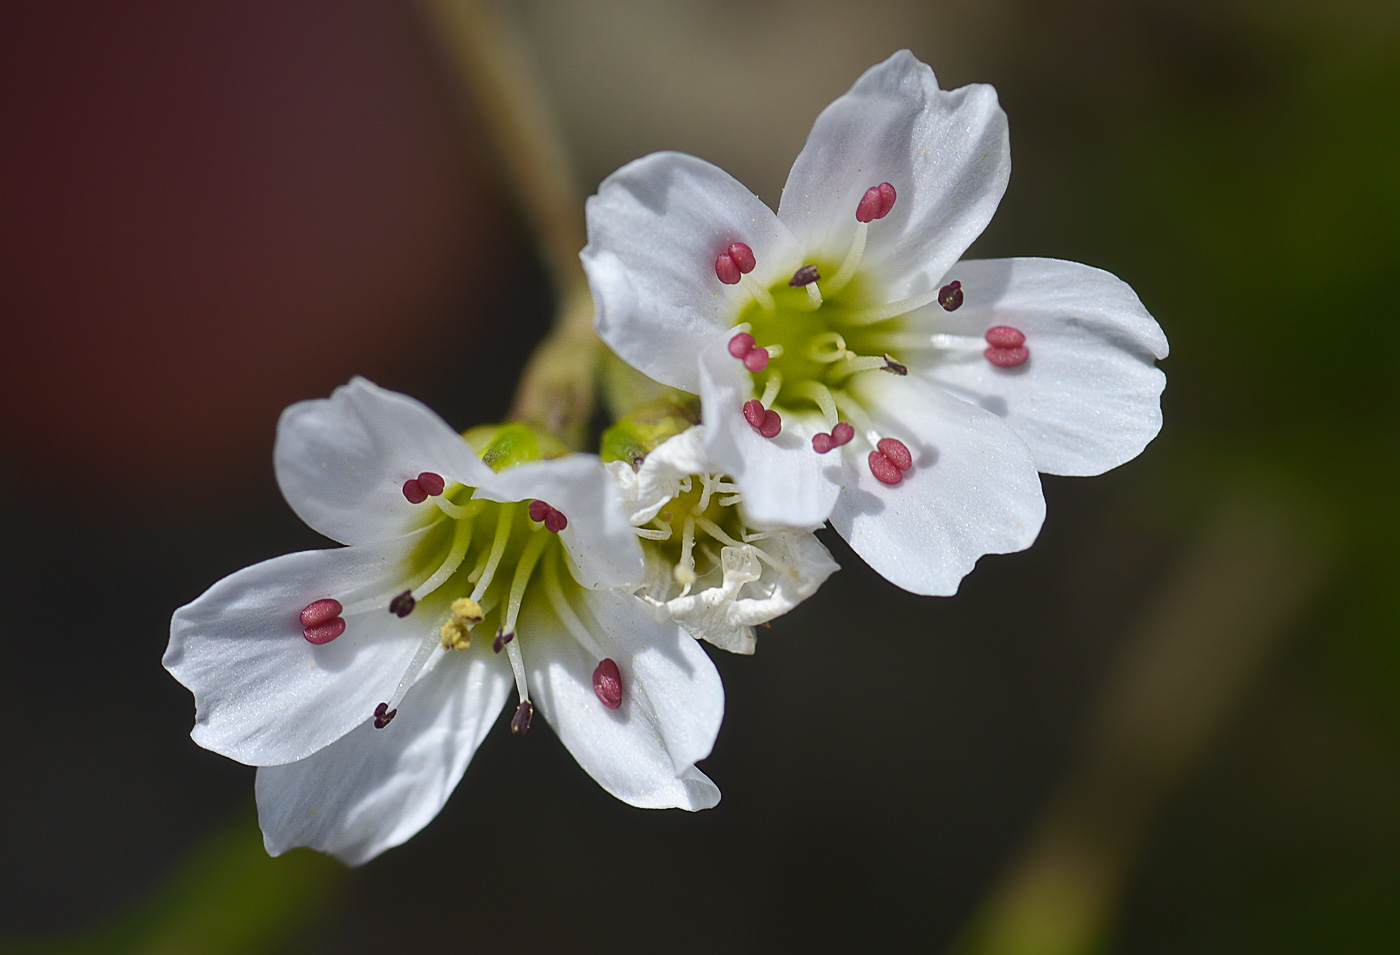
{"x":1173,"y":725}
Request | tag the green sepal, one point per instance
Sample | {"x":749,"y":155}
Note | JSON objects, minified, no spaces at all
{"x":637,"y":434}
{"x":506,"y":445}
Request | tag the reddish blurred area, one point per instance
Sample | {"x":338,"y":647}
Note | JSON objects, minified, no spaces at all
{"x":212,"y":210}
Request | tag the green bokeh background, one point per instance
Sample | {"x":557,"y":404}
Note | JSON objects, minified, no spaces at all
{"x":889,"y":763}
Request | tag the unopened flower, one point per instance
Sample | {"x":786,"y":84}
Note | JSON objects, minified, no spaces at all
{"x":849,"y":365}
{"x":361,"y":679}
{"x":708,"y":566}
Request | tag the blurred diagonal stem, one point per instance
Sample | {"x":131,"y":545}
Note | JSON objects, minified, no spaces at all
{"x":1231,"y":597}
{"x":558,"y":387}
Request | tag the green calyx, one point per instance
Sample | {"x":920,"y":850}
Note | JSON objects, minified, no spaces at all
{"x":637,"y":434}
{"x":506,"y":445}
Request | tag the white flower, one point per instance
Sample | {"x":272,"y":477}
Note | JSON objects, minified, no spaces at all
{"x":708,"y":567}
{"x":350,"y":676}
{"x":846,"y":323}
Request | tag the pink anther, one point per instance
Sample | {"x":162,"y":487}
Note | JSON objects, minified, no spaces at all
{"x":884,"y":469}
{"x":950,"y":296}
{"x":320,"y":612}
{"x":726,"y":271}
{"x":876,"y":203}
{"x":742,"y":256}
{"x":607,"y":684}
{"x":842,"y":433}
{"x":413,"y":490}
{"x":822,"y":443}
{"x":772,"y":424}
{"x":555,"y":521}
{"x":326,"y":632}
{"x":432,"y":484}
{"x":1004,"y":336}
{"x":538,"y":511}
{"x":741,"y":344}
{"x":897,"y":452}
{"x":756,"y":359}
{"x":1007,"y":357}
{"x":753,"y":412}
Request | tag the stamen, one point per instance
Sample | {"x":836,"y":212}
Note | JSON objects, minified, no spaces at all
{"x":461,"y":540}
{"x":853,"y":365}
{"x":552,"y":518}
{"x":402,"y":605}
{"x":734,"y":263}
{"x":770,"y":389}
{"x":876,"y":203}
{"x":814,"y":296}
{"x":1007,"y":346}
{"x":804,"y":276}
{"x":382,"y":715}
{"x":420,"y":657}
{"x":456,"y":631}
{"x":320,"y":612}
{"x":607,"y":683}
{"x":502,"y":638}
{"x":772,"y":424}
{"x":756,"y":359}
{"x":454,"y":511}
{"x":821,"y":443}
{"x":889,"y":460}
{"x":498,"y":547}
{"x":950,"y":296}
{"x":431,"y":483}
{"x":821,"y":395}
{"x":741,"y":344}
{"x":684,"y":571}
{"x":842,"y":433}
{"x":753,"y":412}
{"x":707,"y":488}
{"x":523,"y":569}
{"x":413,"y":491}
{"x":895,"y":367}
{"x":520,"y":722}
{"x":817,"y":348}
{"x":851,"y":262}
{"x":759,"y":293}
{"x":565,"y":612}
{"x":742,"y":256}
{"x":517,"y":664}
{"x":325,"y":632}
{"x":653,"y":533}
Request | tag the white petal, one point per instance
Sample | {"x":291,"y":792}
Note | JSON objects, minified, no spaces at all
{"x":263,"y":694}
{"x":603,"y":550}
{"x":654,"y":230}
{"x":784,"y":482}
{"x":804,"y":563}
{"x":946,"y":153}
{"x":1089,"y":398}
{"x":644,"y":752}
{"x":658,"y":480}
{"x":373,"y":789}
{"x":342,"y":461}
{"x":973,"y":489}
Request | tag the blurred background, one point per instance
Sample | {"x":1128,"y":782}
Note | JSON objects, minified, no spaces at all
{"x":1173,"y":725}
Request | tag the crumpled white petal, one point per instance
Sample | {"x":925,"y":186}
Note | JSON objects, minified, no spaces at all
{"x":1089,"y":398}
{"x":752,"y":591}
{"x":973,"y":489}
{"x":263,"y":694}
{"x":644,"y":752}
{"x":781,"y":482}
{"x":342,"y":461}
{"x":947,"y":154}
{"x":654,"y":230}
{"x":603,"y":551}
{"x":373,"y":789}
{"x":647,"y":489}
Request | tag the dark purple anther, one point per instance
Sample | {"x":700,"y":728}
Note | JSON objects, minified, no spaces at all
{"x":607,"y":684}
{"x":520,"y":722}
{"x":894,"y":367}
{"x":432,"y":484}
{"x":382,"y":715}
{"x":502,"y":638}
{"x":804,"y":276}
{"x":402,"y":605}
{"x":950,"y":296}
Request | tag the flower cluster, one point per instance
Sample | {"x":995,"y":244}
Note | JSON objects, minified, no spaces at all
{"x":836,"y":361}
